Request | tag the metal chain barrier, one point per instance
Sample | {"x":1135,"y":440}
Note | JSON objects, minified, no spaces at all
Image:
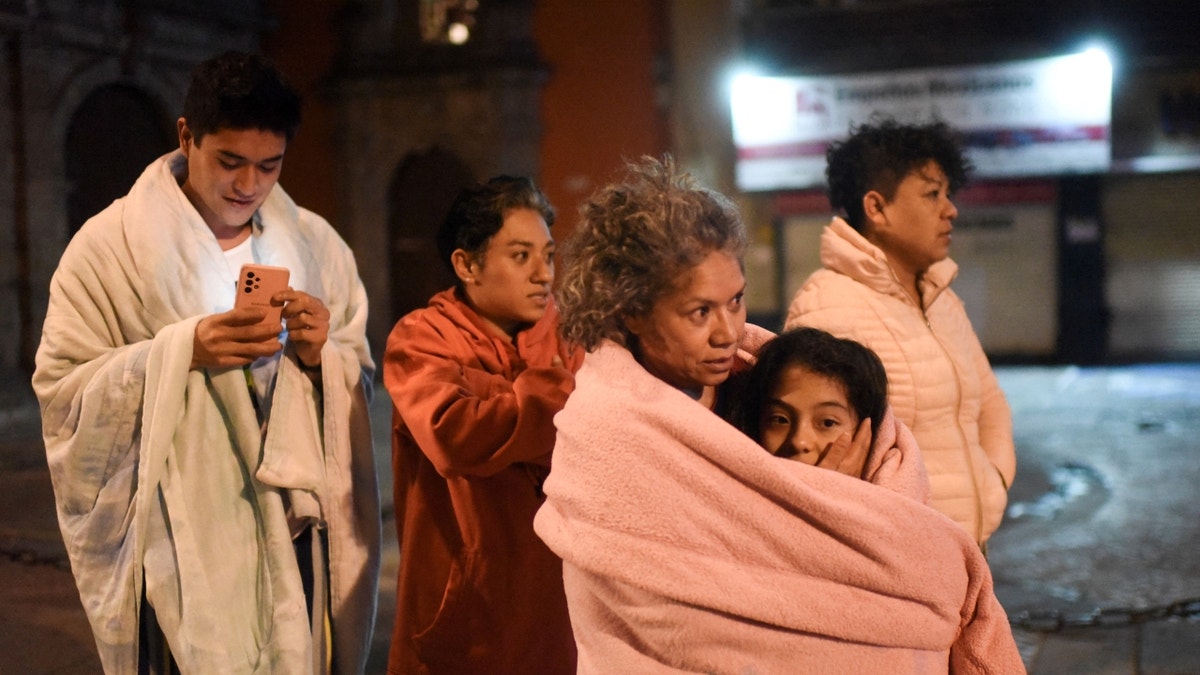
{"x":27,"y":557}
{"x":1053,"y":621}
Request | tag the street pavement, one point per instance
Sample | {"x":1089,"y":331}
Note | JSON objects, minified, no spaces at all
{"x":1096,"y":563}
{"x":1100,"y":537}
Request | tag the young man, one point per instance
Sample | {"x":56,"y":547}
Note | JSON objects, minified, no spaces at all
{"x":475,"y":379}
{"x":213,"y":474}
{"x":886,"y":284}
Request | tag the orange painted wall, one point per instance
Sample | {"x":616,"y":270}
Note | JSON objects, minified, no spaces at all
{"x":303,"y":44}
{"x":599,"y":105}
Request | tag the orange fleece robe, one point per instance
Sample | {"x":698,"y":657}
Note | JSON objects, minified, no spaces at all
{"x":472,"y":434}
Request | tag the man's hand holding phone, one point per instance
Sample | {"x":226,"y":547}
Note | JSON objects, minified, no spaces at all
{"x":251,"y":329}
{"x":248,"y":331}
{"x":307,"y":321}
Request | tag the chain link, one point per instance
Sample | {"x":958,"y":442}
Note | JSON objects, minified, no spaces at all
{"x":27,"y":557}
{"x":1054,"y":621}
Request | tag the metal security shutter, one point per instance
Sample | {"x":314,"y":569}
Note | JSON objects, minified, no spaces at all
{"x":1153,"y":250}
{"x":1006,"y":276}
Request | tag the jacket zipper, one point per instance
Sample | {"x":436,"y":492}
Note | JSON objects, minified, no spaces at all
{"x":975,"y":490}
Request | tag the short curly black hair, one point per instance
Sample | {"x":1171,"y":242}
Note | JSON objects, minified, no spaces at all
{"x":478,"y":213}
{"x":879,"y":154}
{"x":850,"y":363}
{"x":239,"y":90}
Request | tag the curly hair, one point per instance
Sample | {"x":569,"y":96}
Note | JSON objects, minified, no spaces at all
{"x":238,"y":90}
{"x":879,"y":154}
{"x":478,"y":213}
{"x":855,"y":366}
{"x":637,"y":238}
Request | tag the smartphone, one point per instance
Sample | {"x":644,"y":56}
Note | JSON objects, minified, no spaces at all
{"x":255,"y":286}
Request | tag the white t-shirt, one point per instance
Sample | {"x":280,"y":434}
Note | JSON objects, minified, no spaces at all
{"x":240,"y":255}
{"x":262,"y":370}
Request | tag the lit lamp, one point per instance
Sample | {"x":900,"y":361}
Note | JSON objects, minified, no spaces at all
{"x":448,"y":21}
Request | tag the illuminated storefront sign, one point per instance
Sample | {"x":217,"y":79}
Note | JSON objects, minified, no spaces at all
{"x":1026,"y":118}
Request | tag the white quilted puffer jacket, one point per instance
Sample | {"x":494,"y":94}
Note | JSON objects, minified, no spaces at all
{"x":939,"y":380}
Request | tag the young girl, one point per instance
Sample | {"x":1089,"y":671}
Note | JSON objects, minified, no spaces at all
{"x":813,"y":398}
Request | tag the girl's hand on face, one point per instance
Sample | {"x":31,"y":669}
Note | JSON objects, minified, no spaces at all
{"x":848,"y":454}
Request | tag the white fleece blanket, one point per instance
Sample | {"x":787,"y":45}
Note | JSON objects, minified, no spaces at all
{"x":687,"y":548}
{"x":161,"y":474}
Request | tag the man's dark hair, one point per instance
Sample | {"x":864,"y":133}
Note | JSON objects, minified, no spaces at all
{"x":879,"y":154}
{"x":237,"y":90}
{"x":855,"y":366}
{"x":478,"y":213}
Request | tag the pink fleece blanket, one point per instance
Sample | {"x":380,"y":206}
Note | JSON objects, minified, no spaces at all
{"x":686,"y":547}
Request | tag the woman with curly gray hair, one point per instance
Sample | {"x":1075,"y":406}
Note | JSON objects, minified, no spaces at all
{"x":684,"y":545}
{"x":638,"y":239}
{"x":656,"y":267}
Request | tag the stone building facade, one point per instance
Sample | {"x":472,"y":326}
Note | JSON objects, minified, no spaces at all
{"x":92,"y":89}
{"x":90,"y":93}
{"x":417,"y":118}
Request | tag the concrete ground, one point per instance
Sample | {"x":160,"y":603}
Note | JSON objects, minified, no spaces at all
{"x":1104,"y":516}
{"x":1096,"y":562}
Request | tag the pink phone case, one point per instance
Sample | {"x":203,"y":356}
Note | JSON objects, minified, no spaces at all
{"x":256,"y":284}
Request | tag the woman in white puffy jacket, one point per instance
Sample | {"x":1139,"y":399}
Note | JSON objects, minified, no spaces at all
{"x":885,"y":282}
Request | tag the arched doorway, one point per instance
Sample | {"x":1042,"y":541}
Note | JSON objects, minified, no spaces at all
{"x":113,"y":135}
{"x":422,"y":190}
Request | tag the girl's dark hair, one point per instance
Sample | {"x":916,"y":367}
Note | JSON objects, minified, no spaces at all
{"x":855,"y":366}
{"x":237,"y":90}
{"x":879,"y":154}
{"x":478,"y":212}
